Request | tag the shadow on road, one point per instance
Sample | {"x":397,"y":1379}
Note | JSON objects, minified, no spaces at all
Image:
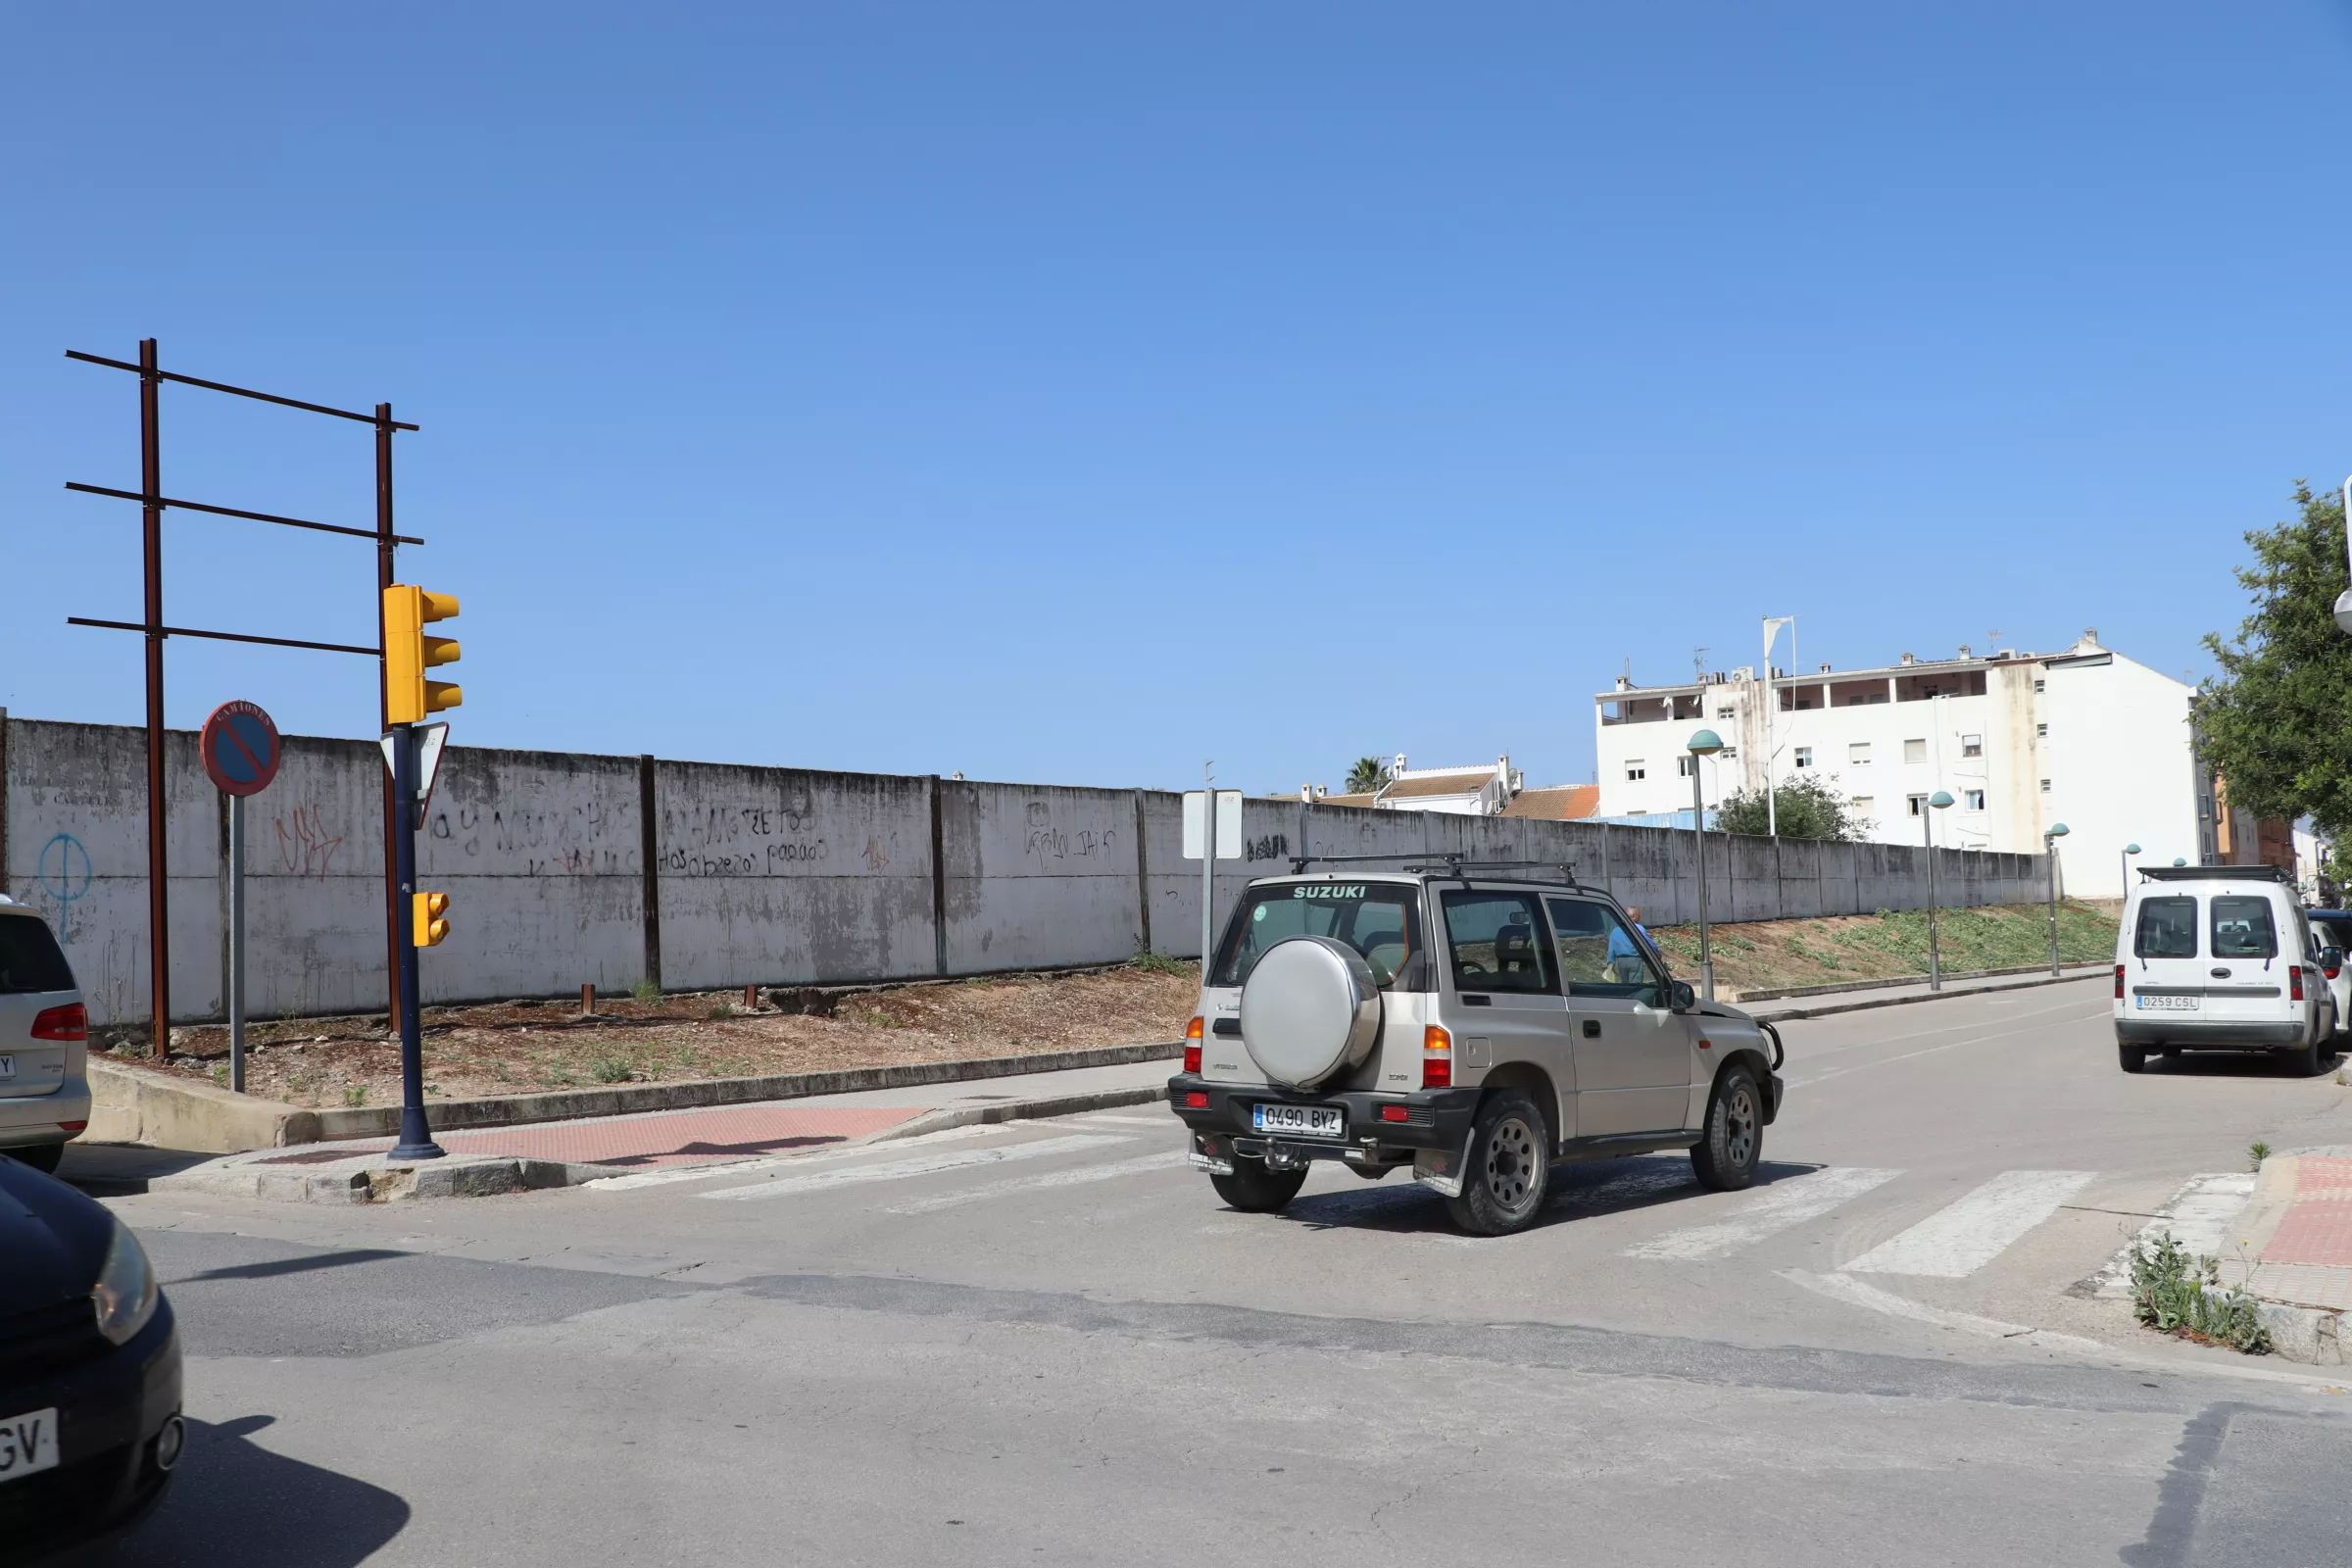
{"x":117,"y":1171}
{"x":234,"y":1501}
{"x":2231,"y":1064}
{"x":1586,"y":1190}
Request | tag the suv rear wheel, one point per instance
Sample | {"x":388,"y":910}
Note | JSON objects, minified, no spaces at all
{"x":1510,"y":1167}
{"x":1725,"y":1161}
{"x":1254,"y":1189}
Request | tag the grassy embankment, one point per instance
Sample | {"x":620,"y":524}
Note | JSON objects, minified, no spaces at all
{"x":1770,"y":954}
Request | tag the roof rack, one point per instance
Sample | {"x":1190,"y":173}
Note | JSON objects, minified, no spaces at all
{"x":2217,"y":873}
{"x":1448,"y":863}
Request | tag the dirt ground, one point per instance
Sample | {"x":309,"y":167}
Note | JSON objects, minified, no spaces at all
{"x":1773,"y":955}
{"x":527,"y":1046}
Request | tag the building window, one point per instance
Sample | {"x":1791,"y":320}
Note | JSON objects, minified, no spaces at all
{"x":2045,"y":786}
{"x":1974,"y":800}
{"x":1804,"y":757}
{"x":2037,"y":688}
{"x":1804,"y":702}
{"x":1727,"y":713}
{"x":1684,"y":766}
{"x":1635,"y":770}
{"x":2042,"y":732}
{"x":1918,"y":803}
{"x":1915,"y":751}
{"x":1971,"y":746}
{"x":1863,"y":805}
{"x":1858,"y":753}
{"x":1728,"y":753}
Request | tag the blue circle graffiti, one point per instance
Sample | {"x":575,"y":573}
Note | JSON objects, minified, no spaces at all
{"x":63,"y":861}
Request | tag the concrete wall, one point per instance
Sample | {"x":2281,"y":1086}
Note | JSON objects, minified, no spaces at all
{"x":565,"y":868}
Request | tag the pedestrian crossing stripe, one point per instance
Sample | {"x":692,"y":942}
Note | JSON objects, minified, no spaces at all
{"x":1782,"y":1206}
{"x":926,"y":1164}
{"x":1973,"y":1230}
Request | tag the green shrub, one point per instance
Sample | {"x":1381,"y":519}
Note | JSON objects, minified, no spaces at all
{"x":1151,"y":961}
{"x":647,"y":991}
{"x":2174,"y":1292}
{"x":613,"y":1067}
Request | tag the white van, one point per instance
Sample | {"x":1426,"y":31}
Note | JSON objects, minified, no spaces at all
{"x":2221,"y":957}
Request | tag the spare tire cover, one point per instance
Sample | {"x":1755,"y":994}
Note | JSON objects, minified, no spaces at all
{"x":1310,"y":1008}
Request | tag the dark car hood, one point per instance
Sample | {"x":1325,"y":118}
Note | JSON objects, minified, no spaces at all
{"x":53,"y":1240}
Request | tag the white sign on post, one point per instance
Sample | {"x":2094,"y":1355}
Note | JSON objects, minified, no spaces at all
{"x":1229,"y":824}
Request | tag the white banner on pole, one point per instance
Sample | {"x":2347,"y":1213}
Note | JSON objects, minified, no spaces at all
{"x":1229,"y":824}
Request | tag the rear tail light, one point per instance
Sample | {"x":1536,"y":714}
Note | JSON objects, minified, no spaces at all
{"x":74,"y":1126}
{"x":1192,"y":1046}
{"x":1436,"y":1059}
{"x":1196,"y":1099}
{"x":2119,"y":982}
{"x":69,"y":1022}
{"x":2294,"y":982}
{"x":1394,"y":1113}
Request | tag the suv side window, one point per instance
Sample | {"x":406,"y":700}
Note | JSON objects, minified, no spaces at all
{"x":2243,"y":928}
{"x":1497,"y":942}
{"x":1600,"y":956}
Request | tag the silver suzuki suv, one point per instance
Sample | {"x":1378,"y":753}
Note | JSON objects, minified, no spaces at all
{"x":1477,"y":1021}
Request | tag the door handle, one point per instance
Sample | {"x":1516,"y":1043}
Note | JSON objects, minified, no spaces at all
{"x":1592,"y":1028}
{"x":1474,"y":1000}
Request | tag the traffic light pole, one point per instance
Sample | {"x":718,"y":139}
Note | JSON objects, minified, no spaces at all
{"x":415,"y":1138}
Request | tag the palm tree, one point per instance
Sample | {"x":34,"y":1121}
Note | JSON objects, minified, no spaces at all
{"x":1367,"y":775}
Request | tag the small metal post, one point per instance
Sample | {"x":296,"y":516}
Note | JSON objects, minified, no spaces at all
{"x":751,"y":998}
{"x":2050,"y":849}
{"x":1699,"y":831}
{"x":236,"y":943}
{"x":1926,"y":820}
{"x":588,"y":1002}
{"x":415,"y":1136}
{"x":1208,"y":869}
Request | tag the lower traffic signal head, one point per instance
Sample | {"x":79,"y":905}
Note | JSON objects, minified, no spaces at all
{"x":429,"y":907}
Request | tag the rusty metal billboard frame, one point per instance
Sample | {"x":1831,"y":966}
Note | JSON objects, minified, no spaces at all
{"x":153,"y":504}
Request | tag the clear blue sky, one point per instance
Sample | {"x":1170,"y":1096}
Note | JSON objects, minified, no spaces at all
{"x":1070,"y":392}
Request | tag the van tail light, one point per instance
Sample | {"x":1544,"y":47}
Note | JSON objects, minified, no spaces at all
{"x":1436,"y":1059}
{"x":69,"y":1022}
{"x":2332,"y":970}
{"x":1192,"y":1046}
{"x":2294,"y":982}
{"x":2119,"y":982}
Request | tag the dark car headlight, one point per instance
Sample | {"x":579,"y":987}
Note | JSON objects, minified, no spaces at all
{"x":125,"y":1293}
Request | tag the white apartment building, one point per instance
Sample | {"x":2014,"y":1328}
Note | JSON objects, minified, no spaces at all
{"x":2022,"y":741}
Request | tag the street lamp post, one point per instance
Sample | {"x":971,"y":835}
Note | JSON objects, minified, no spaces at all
{"x":1940,"y":800}
{"x":2129,"y":850}
{"x":1706,"y":743}
{"x":2050,"y":849}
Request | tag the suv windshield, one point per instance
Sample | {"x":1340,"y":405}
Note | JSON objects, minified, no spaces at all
{"x":29,"y":957}
{"x":1382,"y":920}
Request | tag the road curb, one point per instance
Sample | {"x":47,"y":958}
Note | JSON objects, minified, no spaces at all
{"x":1782,"y":1014}
{"x":374,"y":1179}
{"x":1841,"y":987}
{"x":1020,"y":1111}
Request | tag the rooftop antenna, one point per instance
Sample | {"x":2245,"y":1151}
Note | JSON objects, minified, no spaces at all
{"x":1698,"y":664}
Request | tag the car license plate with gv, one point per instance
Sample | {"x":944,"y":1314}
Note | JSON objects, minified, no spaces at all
{"x":28,"y":1444}
{"x":2170,"y":1004}
{"x":1306,"y":1121}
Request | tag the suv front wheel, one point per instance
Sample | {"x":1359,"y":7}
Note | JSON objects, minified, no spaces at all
{"x":1725,"y":1161}
{"x":1510,"y":1166}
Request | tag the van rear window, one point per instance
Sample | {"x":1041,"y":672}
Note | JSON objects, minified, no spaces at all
{"x":2168,"y":929}
{"x":29,"y":960}
{"x":2243,"y":928}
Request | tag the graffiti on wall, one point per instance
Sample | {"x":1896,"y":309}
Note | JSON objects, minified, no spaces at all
{"x":569,"y":842}
{"x":765,"y":839}
{"x":1049,"y":841}
{"x":304,"y":844}
{"x":64,"y":871}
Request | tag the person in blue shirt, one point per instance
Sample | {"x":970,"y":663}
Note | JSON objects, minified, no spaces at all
{"x":1624,"y":945}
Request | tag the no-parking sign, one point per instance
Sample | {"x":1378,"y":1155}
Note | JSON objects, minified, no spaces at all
{"x":240,"y":749}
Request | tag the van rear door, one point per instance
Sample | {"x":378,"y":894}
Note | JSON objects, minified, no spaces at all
{"x":2246,"y":961}
{"x":2165,"y":975}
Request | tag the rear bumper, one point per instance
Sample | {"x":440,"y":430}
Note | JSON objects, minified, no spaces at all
{"x":1437,"y":1118}
{"x":38,"y":1118}
{"x":2191,"y":1034}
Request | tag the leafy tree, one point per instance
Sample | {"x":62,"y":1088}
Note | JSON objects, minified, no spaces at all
{"x":1807,"y":809}
{"x":2277,"y":722}
{"x":1367,"y":775}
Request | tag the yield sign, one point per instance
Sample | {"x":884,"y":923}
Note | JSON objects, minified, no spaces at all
{"x":431,"y":741}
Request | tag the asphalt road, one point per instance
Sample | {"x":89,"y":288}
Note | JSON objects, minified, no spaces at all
{"x":1048,"y":1344}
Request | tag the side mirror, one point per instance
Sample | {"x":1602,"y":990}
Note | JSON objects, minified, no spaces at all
{"x":1680,"y":997}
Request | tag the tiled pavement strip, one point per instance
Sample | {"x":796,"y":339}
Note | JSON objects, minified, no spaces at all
{"x":2304,"y":1204}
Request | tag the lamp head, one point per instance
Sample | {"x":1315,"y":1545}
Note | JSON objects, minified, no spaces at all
{"x":1706,"y":743}
{"x":1940,"y":799}
{"x":2130,"y":849}
{"x":2057,"y":831}
{"x":2178,"y":861}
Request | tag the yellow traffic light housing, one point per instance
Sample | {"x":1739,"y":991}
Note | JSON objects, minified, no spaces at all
{"x":409,"y":652}
{"x":429,"y":908}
